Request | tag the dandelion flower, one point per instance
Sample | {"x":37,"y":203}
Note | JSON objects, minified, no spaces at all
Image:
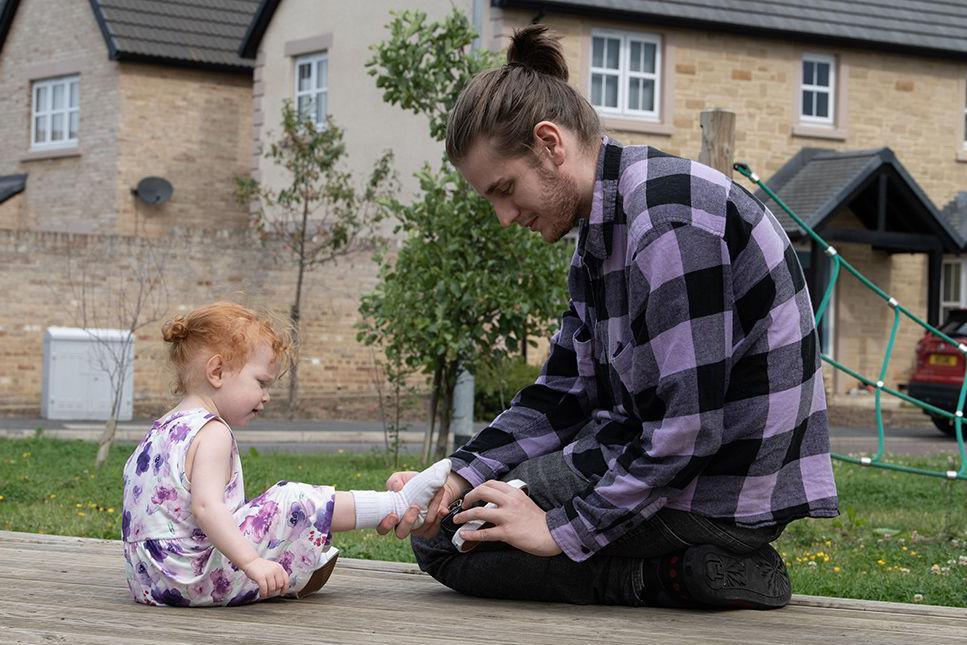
{"x":836,"y":569}
{"x":881,"y":562}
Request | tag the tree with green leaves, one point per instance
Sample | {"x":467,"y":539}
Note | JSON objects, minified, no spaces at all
{"x":461,"y":289}
{"x":319,"y":215}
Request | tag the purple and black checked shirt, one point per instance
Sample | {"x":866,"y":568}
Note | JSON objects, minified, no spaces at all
{"x":690,"y":343}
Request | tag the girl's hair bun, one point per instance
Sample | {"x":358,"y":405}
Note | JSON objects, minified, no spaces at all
{"x":533,"y":48}
{"x":175,"y":330}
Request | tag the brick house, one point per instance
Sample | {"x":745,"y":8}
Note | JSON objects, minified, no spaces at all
{"x":859,"y":120}
{"x":122,"y":90}
{"x":94,"y":96}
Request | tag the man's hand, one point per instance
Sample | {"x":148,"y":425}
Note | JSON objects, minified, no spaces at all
{"x":269,"y":576}
{"x":517,"y":520}
{"x":452,"y":489}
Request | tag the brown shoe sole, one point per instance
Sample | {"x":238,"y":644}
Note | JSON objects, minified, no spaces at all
{"x":318,"y":578}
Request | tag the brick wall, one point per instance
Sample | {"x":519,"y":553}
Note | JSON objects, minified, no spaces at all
{"x":335,"y":371}
{"x":192,"y":128}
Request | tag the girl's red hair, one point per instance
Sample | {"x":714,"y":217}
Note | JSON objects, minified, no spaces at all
{"x":223,"y":328}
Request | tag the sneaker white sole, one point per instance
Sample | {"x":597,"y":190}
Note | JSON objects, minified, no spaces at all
{"x":464,"y":546}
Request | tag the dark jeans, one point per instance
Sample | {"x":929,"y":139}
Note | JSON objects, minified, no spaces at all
{"x":613,"y":576}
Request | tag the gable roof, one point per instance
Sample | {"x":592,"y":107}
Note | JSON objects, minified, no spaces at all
{"x":931,"y":27}
{"x":196,"y":33}
{"x":816,"y":183}
{"x":956,"y":213}
{"x":7,"y":9}
{"x":186,"y":33}
{"x":256,"y":29}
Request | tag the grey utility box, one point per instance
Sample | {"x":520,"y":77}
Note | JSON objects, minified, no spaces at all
{"x":77,"y":368}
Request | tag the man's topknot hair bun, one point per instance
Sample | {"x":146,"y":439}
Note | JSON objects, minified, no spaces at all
{"x":532,"y":48}
{"x":503,"y":105}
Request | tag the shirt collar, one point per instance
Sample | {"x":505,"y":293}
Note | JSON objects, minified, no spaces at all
{"x":594,"y":236}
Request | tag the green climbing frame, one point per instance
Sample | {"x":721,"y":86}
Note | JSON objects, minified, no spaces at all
{"x":877,"y":460}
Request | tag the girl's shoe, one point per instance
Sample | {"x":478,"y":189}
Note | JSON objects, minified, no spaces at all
{"x":318,"y":578}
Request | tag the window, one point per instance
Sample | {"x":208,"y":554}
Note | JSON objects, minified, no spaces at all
{"x":56,"y":112}
{"x":311,"y":87}
{"x":952,"y":287}
{"x":818,"y":83}
{"x":625,"y":78}
{"x":964,"y":142}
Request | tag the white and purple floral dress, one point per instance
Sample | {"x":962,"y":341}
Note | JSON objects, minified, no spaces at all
{"x":170,"y":560}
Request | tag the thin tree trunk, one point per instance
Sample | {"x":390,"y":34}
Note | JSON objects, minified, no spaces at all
{"x":110,"y":428}
{"x":294,"y":316}
{"x":523,"y":342}
{"x":434,"y":400}
{"x":295,"y":313}
{"x":449,"y":382}
{"x":397,"y":412}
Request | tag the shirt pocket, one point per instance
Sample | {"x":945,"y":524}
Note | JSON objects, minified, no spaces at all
{"x":621,"y":370}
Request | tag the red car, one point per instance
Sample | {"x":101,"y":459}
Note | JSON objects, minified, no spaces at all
{"x":940,"y":370}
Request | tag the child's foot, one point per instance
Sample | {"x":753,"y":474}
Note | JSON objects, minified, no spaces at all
{"x":318,"y":578}
{"x":372,"y":506}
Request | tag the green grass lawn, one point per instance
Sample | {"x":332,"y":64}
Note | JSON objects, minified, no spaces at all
{"x":900,"y":537}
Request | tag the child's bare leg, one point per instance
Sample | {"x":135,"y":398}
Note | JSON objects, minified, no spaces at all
{"x":344,"y":512}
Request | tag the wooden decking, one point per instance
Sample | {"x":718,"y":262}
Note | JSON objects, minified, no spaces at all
{"x":71,"y":590}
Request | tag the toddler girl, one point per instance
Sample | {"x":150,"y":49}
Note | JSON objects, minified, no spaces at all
{"x":190,"y":539}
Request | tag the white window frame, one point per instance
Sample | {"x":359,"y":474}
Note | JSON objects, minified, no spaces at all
{"x":47,"y":111}
{"x":625,"y":74}
{"x":964,"y":122}
{"x":953,"y":304}
{"x":313,"y":61}
{"x":830,"y":89}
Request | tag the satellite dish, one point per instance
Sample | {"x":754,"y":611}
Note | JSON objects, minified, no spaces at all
{"x":154,"y":190}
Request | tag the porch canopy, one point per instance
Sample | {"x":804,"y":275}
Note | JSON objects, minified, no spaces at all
{"x":895,"y":213}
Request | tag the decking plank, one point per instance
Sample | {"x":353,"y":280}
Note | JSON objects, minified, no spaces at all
{"x":71,"y":590}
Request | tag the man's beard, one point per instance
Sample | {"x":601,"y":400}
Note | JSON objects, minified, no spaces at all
{"x":560,"y":194}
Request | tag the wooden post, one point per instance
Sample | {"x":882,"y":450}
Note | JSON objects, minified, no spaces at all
{"x":718,"y":140}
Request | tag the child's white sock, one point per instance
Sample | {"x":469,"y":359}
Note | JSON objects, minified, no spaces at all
{"x":372,"y":506}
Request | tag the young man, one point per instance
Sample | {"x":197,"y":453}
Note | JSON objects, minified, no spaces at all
{"x":680,"y":421}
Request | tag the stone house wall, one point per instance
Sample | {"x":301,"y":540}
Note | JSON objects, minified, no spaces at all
{"x":41,"y":274}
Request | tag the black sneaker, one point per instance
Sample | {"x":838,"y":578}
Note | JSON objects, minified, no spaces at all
{"x":720,"y":578}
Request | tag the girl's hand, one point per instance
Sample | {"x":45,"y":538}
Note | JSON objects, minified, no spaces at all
{"x":269,"y":576}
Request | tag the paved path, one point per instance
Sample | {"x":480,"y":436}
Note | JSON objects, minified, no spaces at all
{"x":71,"y":590}
{"x":329,"y":436}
